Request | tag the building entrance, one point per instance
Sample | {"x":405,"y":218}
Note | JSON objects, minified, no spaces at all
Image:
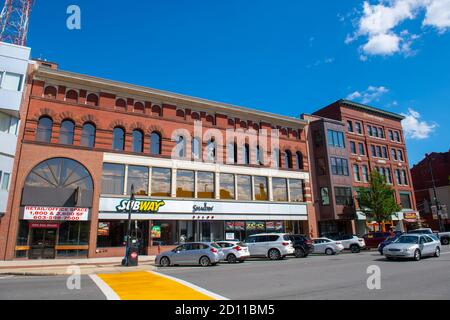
{"x":42,"y":243}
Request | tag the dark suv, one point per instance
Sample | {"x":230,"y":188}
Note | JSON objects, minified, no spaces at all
{"x":302,"y":245}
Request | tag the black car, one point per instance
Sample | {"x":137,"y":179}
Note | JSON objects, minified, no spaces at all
{"x":302,"y":245}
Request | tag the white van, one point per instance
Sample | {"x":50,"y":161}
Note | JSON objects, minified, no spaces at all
{"x":274,"y":246}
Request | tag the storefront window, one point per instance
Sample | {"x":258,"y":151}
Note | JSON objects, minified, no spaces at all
{"x":73,"y":233}
{"x":274,"y":226}
{"x":235,"y":230}
{"x":296,"y":190}
{"x":168,"y":234}
{"x":244,"y":184}
{"x":113,"y":178}
{"x":279,"y":186}
{"x":138,"y":177}
{"x":254,"y":227}
{"x":185,"y":184}
{"x":227,"y":186}
{"x":205,"y":185}
{"x":161,"y":182}
{"x":261,"y":189}
{"x":111,"y":233}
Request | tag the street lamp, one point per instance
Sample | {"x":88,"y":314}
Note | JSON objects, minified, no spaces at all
{"x":125,"y":261}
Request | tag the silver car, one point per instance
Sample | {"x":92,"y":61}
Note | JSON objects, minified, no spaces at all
{"x":413,"y":246}
{"x":202,"y":253}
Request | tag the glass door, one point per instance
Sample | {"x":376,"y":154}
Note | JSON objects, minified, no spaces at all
{"x":42,"y":244}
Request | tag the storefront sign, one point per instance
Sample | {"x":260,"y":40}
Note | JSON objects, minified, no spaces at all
{"x":410,"y":216}
{"x":103,"y":229}
{"x":229,"y":236}
{"x":140,"y":206}
{"x":204,"y":208}
{"x":56,"y":213}
{"x":156,"y":232}
{"x":43,"y":225}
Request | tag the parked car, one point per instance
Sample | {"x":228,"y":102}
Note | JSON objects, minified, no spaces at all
{"x":413,"y":246}
{"x":327,"y":246}
{"x":275,"y":246}
{"x":302,"y":245}
{"x":387,"y":241}
{"x":234,"y":251}
{"x":443,"y":236}
{"x":202,"y":253}
{"x":373,"y":239}
{"x":350,"y":242}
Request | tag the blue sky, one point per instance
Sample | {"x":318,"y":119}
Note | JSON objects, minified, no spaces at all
{"x":288,"y":57}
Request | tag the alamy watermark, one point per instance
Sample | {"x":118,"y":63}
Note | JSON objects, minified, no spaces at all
{"x":73,"y":21}
{"x":374,"y":279}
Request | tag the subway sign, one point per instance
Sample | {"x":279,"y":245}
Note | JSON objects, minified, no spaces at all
{"x":140,"y":206}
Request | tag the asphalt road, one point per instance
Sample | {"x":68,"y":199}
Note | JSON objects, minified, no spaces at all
{"x":342,"y":276}
{"x":47,"y":288}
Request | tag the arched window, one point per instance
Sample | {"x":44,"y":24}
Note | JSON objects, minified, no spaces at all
{"x":44,"y":129}
{"x":139,"y":107}
{"x":299,"y":159}
{"x":156,"y":110}
{"x":196,"y":149}
{"x":121,"y":105}
{"x":232,"y":153}
{"x":181,"y":147}
{"x":64,"y":182}
{"x":72,"y":96}
{"x":211,"y":150}
{"x":246,"y":154}
{"x":195,"y":116}
{"x":180,"y":113}
{"x":66,"y":132}
{"x":88,"y":135}
{"x":276,"y":158}
{"x":288,"y":159}
{"x":92,"y":99}
{"x":259,"y":156}
{"x":138,"y":141}
{"x":155,"y":143}
{"x":118,"y":139}
{"x":50,"y":92}
{"x":210,"y":119}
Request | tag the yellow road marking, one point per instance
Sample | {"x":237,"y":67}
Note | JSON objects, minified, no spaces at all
{"x":144,"y":285}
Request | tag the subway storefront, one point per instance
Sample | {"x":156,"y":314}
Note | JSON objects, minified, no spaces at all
{"x":168,"y":222}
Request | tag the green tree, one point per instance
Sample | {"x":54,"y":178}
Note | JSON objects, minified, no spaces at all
{"x":377,"y":202}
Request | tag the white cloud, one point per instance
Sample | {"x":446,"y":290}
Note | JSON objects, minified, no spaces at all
{"x":378,"y":23}
{"x":319,"y":62}
{"x":371,"y":94}
{"x":415,"y":128}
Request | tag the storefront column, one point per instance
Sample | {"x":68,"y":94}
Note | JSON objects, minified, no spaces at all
{"x":174,"y":183}
{"x":217,"y":185}
{"x":269,"y":184}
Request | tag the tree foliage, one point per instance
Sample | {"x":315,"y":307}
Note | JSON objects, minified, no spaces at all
{"x":377,"y":202}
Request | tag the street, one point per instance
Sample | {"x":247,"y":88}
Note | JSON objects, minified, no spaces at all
{"x":342,"y":276}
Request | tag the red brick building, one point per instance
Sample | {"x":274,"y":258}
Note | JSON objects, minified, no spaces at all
{"x":373,"y":141}
{"x":435,"y":166}
{"x":85,"y":141}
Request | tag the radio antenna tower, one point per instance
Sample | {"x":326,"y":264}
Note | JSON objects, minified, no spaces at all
{"x":14,"y":21}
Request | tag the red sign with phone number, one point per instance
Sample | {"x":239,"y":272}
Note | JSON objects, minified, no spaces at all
{"x":55,"y":213}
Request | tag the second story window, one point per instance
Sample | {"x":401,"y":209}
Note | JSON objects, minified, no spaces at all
{"x":352,"y":147}
{"x":358,"y":127}
{"x":356,"y":173}
{"x":138,"y":141}
{"x":396,"y":136}
{"x":350,"y":126}
{"x":400,"y":155}
{"x":299,"y":159}
{"x":391,"y":135}
{"x":118,"y":139}
{"x":44,"y":129}
{"x":155,"y":143}
{"x":66,"y":132}
{"x":336,"y":139}
{"x":365,"y":173}
{"x":361,"y":149}
{"x":339,"y":166}
{"x":10,"y":81}
{"x":88,"y":135}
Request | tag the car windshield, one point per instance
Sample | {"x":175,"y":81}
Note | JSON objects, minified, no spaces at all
{"x":407,"y":239}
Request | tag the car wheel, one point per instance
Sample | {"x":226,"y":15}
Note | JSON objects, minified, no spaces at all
{"x":354,"y":248}
{"x":231,"y":258}
{"x":299,"y":253}
{"x":437,"y":252}
{"x":204,"y":261}
{"x":445,"y":241}
{"x":417,"y":255}
{"x":164,"y":262}
{"x":274,"y":254}
{"x":329,"y":252}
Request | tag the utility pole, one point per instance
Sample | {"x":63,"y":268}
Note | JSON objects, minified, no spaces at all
{"x":14,"y":21}
{"x":436,"y":202}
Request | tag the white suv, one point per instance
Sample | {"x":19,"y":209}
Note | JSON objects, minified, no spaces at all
{"x":275,"y":246}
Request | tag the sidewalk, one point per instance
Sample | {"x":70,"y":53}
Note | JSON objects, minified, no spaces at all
{"x":60,"y":266}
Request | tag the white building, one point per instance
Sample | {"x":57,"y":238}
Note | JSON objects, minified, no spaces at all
{"x":14,"y":62}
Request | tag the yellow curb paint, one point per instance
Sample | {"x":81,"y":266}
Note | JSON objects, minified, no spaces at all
{"x":143,"y":285}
